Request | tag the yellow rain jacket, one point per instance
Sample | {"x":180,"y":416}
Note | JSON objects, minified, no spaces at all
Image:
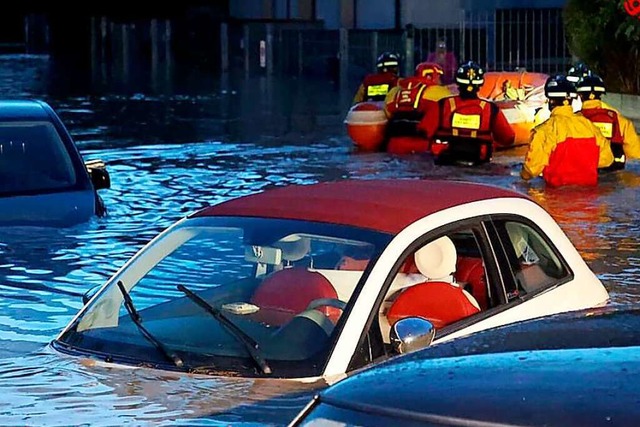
{"x":567,"y":149}
{"x":631,"y":141}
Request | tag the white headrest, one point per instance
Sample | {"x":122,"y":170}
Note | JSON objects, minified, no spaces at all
{"x":437,"y":260}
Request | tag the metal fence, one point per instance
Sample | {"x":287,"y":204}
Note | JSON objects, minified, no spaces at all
{"x":503,"y":39}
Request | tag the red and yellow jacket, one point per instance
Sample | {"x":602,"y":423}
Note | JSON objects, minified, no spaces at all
{"x":613,"y":125}
{"x":473,"y":118}
{"x":375,"y":87}
{"x":412,"y":94}
{"x":567,"y":149}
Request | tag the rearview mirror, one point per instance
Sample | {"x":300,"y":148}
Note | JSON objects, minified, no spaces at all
{"x":98,"y":173}
{"x":263,"y":254}
{"x":411,"y":334}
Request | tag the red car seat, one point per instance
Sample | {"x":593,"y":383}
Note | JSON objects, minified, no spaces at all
{"x":438,"y":299}
{"x":287,"y":293}
{"x":471,"y":270}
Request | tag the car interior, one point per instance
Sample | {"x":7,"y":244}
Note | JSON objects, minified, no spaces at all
{"x":280,"y":295}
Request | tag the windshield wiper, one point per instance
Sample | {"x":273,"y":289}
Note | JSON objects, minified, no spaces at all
{"x":250,"y":344}
{"x":137,"y":320}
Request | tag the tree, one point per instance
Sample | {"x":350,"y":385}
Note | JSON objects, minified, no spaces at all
{"x":607,"y":38}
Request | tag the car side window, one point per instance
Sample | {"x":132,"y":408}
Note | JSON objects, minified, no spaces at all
{"x":534,"y":262}
{"x":444,"y":280}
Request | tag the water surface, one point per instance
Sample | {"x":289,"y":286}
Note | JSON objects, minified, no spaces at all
{"x":198,"y":141}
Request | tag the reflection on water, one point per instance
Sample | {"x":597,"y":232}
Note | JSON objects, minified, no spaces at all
{"x":45,"y":389}
{"x":173,"y":153}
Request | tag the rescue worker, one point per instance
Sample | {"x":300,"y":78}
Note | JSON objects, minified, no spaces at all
{"x":464,"y":127}
{"x":405,"y":106}
{"x":577,"y":71}
{"x":614,"y":126}
{"x":446,"y":59}
{"x":375,"y":86}
{"x":567,"y":149}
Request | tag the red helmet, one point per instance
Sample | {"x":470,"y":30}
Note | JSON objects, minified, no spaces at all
{"x":429,"y":72}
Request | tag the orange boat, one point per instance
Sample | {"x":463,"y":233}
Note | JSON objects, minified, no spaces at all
{"x":528,"y":91}
{"x":519,"y":94}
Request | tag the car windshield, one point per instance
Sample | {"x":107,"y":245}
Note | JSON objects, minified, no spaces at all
{"x":33,"y":158}
{"x":240,"y":295}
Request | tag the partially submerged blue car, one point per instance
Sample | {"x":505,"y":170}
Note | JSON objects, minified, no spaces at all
{"x":572,"y":369}
{"x":43,"y":178}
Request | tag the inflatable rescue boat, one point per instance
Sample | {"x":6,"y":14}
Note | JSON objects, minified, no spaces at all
{"x":519,"y":94}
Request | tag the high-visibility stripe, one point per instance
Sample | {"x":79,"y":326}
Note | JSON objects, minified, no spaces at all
{"x":465,"y":121}
{"x":459,"y":80}
{"x":417,"y":101}
{"x":558,"y":94}
{"x":591,"y":89}
{"x":377,"y":90}
{"x":605,"y":128}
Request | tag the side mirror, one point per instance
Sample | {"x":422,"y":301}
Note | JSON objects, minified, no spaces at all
{"x":98,"y":174}
{"x":411,"y":334}
{"x":89,"y":294}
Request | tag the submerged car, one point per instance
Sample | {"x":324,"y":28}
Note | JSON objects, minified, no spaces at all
{"x":570,"y":369}
{"x":43,"y":178}
{"x":306,"y":282}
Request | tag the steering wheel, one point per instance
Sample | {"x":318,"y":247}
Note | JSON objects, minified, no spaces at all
{"x":324,"y":302}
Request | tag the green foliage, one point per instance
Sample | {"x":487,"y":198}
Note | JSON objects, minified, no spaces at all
{"x":603,"y":35}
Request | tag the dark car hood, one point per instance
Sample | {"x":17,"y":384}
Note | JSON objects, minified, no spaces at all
{"x":598,"y":327}
{"x":551,"y":387}
{"x":577,"y":368}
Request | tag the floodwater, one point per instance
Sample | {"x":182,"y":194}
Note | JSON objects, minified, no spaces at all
{"x":197,"y":141}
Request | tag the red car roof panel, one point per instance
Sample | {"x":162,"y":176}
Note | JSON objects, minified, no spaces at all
{"x":384,"y":205}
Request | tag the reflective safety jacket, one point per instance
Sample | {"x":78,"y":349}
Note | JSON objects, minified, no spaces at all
{"x":473,"y":118}
{"x":567,"y":149}
{"x":375,"y":87}
{"x":412,"y":94}
{"x":407,"y":97}
{"x":615,"y":127}
{"x":405,"y":107}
